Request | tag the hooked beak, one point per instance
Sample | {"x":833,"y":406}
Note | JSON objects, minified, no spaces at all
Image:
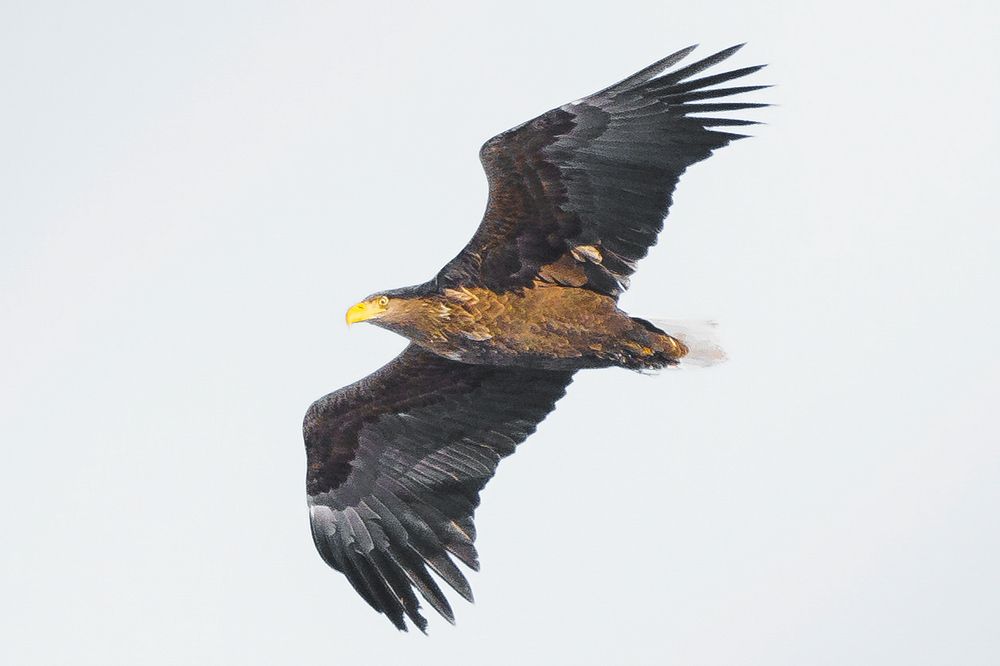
{"x":363,"y":311}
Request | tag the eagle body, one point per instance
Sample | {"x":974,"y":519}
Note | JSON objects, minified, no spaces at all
{"x":577,"y":196}
{"x":542,"y":326}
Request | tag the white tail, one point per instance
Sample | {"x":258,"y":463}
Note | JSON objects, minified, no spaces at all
{"x":700,"y":336}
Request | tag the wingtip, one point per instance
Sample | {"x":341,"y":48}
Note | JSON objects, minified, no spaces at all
{"x":678,"y":56}
{"x":655,"y":70}
{"x":465,"y":592}
{"x":418,"y":620}
{"x":725,"y":53}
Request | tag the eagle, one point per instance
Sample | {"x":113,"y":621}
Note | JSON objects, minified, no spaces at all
{"x":577,"y":196}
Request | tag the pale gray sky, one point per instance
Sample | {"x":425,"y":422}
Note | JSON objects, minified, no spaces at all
{"x":194,"y":192}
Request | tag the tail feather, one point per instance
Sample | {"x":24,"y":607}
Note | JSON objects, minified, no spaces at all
{"x":700,"y":336}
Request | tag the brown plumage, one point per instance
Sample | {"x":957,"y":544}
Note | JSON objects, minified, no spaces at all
{"x":542,"y":326}
{"x":576,"y":197}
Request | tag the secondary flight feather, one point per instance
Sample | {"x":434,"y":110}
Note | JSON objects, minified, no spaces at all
{"x":577,"y":197}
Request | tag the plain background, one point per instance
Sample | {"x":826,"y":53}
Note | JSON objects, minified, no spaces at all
{"x":194,"y":192}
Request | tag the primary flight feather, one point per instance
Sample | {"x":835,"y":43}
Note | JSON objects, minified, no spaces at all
{"x":577,"y":196}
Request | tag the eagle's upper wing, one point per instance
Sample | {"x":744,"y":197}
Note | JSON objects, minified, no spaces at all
{"x":578,"y":195}
{"x":395,"y":465}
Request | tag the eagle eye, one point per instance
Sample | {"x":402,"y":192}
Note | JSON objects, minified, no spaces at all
{"x":383,"y":301}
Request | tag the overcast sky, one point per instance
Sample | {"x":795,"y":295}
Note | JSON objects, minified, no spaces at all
{"x":194,"y":192}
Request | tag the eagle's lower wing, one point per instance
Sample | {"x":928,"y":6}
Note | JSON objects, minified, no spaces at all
{"x":395,"y":465}
{"x":578,"y":195}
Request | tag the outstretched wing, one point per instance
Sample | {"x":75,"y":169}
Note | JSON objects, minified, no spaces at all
{"x":578,"y":195}
{"x":395,"y":465}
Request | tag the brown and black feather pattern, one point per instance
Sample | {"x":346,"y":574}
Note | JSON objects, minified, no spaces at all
{"x":396,"y":462}
{"x":597,"y":172}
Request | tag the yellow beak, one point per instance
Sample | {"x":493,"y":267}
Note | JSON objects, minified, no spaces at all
{"x":363,"y":311}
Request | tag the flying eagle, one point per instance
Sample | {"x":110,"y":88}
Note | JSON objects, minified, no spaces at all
{"x":577,"y":196}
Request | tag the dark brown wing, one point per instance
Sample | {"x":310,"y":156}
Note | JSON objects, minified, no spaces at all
{"x":578,"y":195}
{"x":396,"y":462}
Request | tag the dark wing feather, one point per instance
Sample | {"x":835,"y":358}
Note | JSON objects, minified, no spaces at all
{"x":395,"y":465}
{"x":596,"y":175}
